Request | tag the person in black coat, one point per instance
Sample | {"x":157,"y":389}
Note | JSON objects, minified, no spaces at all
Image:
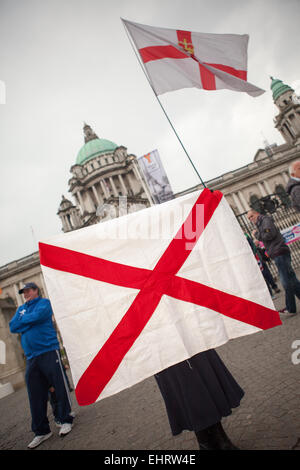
{"x":198,"y":393}
{"x":267,"y":232}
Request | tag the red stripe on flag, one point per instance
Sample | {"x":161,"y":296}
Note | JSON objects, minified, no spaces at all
{"x":227,"y":304}
{"x":160,"y":52}
{"x":99,"y":269}
{"x":207,"y":78}
{"x":242,"y":74}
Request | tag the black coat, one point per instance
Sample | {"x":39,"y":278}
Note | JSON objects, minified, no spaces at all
{"x":293,"y":189}
{"x":198,"y":392}
{"x":268,"y":233}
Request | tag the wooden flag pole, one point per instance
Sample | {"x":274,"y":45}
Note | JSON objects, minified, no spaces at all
{"x":163,"y":109}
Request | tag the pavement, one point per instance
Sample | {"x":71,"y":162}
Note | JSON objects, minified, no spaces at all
{"x":266,"y":365}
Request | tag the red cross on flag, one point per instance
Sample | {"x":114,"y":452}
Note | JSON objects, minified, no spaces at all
{"x":177,"y":59}
{"x":137,"y":294}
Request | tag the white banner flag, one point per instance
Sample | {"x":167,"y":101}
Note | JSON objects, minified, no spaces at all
{"x":177,"y":59}
{"x":135,"y":295}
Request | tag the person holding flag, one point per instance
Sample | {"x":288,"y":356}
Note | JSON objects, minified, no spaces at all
{"x":198,"y":393}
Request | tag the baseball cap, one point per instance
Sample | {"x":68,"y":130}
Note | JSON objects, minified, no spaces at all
{"x":29,"y":285}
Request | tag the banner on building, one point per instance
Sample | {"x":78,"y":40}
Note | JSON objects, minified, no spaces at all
{"x":155,"y":176}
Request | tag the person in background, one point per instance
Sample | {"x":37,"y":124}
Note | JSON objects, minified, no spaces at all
{"x":293,"y":186}
{"x":33,"y":320}
{"x":262,"y":259}
{"x":267,"y":232}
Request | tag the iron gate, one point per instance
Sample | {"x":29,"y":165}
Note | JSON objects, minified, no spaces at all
{"x":279,"y":207}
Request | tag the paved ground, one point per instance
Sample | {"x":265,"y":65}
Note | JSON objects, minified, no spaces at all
{"x":135,"y":419}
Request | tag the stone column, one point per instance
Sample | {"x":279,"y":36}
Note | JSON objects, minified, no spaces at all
{"x":244,"y":202}
{"x":81,"y":205}
{"x":96,"y":194}
{"x":93,"y":205}
{"x":267,"y":186}
{"x":113,"y":186}
{"x":122,"y":185}
{"x":43,"y":285}
{"x":104,"y":188}
{"x":261,"y":190}
{"x":238,"y":203}
{"x":63,"y":220}
{"x":286,"y":176}
{"x":18,"y":296}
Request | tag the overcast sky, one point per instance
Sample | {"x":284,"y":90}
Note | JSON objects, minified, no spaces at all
{"x":64,"y":62}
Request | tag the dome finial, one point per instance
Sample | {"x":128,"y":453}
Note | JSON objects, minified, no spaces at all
{"x":89,"y":134}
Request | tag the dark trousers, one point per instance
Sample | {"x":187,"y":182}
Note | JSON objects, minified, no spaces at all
{"x":289,"y":280}
{"x":268,"y":277}
{"x":42,"y":372}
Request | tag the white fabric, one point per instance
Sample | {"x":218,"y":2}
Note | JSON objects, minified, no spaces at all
{"x":173,"y":74}
{"x":87,"y":311}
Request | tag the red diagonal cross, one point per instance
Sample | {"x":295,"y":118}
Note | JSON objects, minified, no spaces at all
{"x":152,"y":285}
{"x":151,"y":53}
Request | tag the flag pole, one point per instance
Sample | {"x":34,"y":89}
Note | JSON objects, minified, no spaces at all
{"x":163,"y":109}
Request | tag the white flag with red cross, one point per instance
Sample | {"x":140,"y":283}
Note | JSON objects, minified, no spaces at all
{"x":176,"y":59}
{"x":139,"y":293}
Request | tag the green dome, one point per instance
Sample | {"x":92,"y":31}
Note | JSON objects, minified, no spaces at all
{"x":278,"y":88}
{"x":93,"y":148}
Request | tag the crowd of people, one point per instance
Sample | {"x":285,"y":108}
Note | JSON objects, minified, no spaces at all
{"x":197,"y":392}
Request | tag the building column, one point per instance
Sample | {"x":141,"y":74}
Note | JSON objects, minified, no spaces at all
{"x":63,"y":220}
{"x":237,"y":203}
{"x":43,"y":285}
{"x":68,"y":223}
{"x":113,"y":186}
{"x":93,"y":205}
{"x":286,"y":176}
{"x":96,"y":195}
{"x":104,"y":188}
{"x":81,"y":204}
{"x":243,"y":200}
{"x":18,"y":296}
{"x":261,"y":190}
{"x":268,"y":189}
{"x":122,"y":185}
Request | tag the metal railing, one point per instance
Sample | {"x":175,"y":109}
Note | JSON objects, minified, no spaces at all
{"x":284,"y":217}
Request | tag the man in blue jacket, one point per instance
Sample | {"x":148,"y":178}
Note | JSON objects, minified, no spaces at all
{"x":33,"y":320}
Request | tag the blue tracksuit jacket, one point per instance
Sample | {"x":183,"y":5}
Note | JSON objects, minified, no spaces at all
{"x":34,"y":321}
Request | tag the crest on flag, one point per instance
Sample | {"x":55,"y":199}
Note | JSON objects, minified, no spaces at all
{"x":135,"y":295}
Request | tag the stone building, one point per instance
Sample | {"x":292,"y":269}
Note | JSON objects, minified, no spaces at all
{"x":268,"y":173}
{"x":103,"y":172}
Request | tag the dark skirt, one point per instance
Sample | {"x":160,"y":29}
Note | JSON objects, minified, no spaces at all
{"x":198,"y":392}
